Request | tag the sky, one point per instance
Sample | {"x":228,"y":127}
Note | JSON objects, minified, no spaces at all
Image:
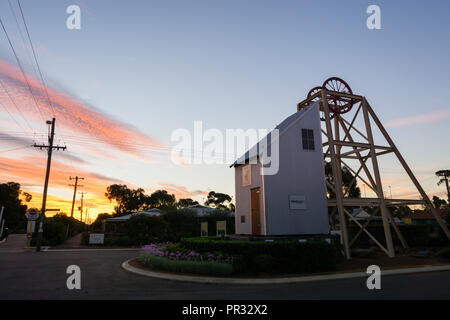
{"x":138,"y":70}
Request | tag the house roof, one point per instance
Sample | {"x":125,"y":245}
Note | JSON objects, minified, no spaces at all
{"x":427,"y":214}
{"x":150,"y":212}
{"x":198,"y":206}
{"x":257,"y":149}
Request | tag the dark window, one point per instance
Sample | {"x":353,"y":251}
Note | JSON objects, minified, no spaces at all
{"x":242,"y":219}
{"x":308,"y":139}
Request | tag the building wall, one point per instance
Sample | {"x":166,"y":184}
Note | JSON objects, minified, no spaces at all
{"x":301,"y":172}
{"x":243,"y":199}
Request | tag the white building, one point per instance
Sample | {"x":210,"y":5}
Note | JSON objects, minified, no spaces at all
{"x":150,"y":212}
{"x":292,"y":201}
{"x":202,"y":211}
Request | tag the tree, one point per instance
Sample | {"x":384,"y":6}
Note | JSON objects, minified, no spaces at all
{"x":444,"y":175}
{"x":219,"y":201}
{"x":97,"y":224}
{"x":183,"y":203}
{"x":27,"y":196}
{"x":347,"y":179}
{"x":14,"y":209}
{"x":128,"y":200}
{"x":439,"y":203}
{"x":401,"y":211}
{"x":161,"y":199}
{"x":144,"y":229}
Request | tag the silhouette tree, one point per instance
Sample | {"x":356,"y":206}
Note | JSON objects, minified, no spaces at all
{"x":161,"y":199}
{"x":128,"y":200}
{"x":14,"y":211}
{"x":183,"y":203}
{"x":219,"y":201}
{"x":439,"y":203}
{"x":347,"y":178}
{"x":444,"y":175}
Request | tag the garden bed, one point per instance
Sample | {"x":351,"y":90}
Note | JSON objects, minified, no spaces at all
{"x":348,"y":266}
{"x":247,"y":259}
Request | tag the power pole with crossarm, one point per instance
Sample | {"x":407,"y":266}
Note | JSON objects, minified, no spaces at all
{"x":74,"y":191}
{"x":50,"y":148}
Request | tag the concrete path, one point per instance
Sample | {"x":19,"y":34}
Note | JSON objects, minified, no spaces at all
{"x":71,"y":243}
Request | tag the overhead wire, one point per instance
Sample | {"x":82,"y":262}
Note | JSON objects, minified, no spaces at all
{"x":21,"y":69}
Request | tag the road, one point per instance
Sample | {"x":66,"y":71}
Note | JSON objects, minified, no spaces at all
{"x":31,"y":275}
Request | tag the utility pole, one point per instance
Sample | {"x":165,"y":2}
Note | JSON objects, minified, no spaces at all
{"x":50,"y":148}
{"x":74,"y":191}
{"x":81,"y":206}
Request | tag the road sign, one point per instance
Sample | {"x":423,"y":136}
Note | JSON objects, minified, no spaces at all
{"x":32,"y":214}
{"x":96,"y":238}
{"x":28,"y":236}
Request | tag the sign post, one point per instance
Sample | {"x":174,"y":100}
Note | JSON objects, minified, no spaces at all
{"x":32,"y":215}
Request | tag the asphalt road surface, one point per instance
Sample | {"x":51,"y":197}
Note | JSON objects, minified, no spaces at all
{"x":31,"y":275}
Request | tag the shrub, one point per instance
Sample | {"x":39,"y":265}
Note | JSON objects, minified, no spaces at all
{"x":445,"y":253}
{"x":54,"y":233}
{"x":142,"y":229}
{"x":288,"y":256}
{"x":181,"y":224}
{"x":205,"y":267}
{"x":265,"y":263}
{"x":118,"y":240}
{"x":75,"y":226}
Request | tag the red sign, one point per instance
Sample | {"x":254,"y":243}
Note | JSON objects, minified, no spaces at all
{"x":32,"y":214}
{"x":28,"y":236}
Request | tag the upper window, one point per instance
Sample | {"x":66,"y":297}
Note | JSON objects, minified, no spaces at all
{"x":246,"y":175}
{"x":308,"y":139}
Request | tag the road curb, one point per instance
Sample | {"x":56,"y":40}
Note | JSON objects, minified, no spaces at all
{"x":217,"y":280}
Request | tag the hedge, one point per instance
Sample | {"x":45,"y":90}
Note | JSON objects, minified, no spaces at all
{"x":54,"y":233}
{"x":185,"y":266}
{"x":282,"y":256}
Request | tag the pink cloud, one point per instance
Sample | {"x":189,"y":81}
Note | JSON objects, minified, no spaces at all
{"x":73,"y":114}
{"x":431,"y":117}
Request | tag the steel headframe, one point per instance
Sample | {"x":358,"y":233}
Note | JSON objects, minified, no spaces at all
{"x":333,"y":148}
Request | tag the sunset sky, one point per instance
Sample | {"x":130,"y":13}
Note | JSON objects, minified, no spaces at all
{"x":138,"y":70}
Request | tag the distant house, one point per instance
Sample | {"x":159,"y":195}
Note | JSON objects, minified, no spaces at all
{"x":426,"y":217}
{"x":292,"y":201}
{"x":115,"y":224}
{"x":150,"y":212}
{"x":362,"y":215}
{"x":202,"y":211}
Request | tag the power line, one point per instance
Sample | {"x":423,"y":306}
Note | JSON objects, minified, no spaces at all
{"x":18,"y":148}
{"x":37,"y":64}
{"x":21,"y":36}
{"x":14,"y":119}
{"x":15,"y":105}
{"x":35,"y":58}
{"x":21,"y":68}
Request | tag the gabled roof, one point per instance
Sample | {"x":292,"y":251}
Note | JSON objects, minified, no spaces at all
{"x":257,"y":149}
{"x":150,"y":212}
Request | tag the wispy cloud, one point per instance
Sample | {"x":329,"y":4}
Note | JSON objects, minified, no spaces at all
{"x":75,"y":115}
{"x":431,"y":117}
{"x":181,"y":192}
